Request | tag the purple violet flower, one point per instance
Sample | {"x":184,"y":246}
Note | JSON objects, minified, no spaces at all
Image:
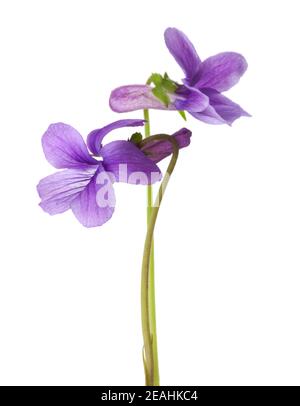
{"x":85,"y":185}
{"x":201,"y":91}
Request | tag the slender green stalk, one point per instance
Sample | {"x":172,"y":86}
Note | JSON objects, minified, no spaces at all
{"x":147,"y":282}
{"x":149,"y":188}
{"x":152,"y":308}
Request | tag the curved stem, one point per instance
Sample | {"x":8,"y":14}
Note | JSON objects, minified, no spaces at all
{"x":149,"y":356}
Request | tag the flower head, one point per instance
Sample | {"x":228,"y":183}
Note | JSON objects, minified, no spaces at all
{"x":201,"y":91}
{"x":85,"y":185}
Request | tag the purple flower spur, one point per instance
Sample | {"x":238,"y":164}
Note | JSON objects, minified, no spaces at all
{"x":201,"y":91}
{"x":85,"y":185}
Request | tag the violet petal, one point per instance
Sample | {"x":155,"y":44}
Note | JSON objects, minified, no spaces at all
{"x":222,"y":71}
{"x":209,"y":116}
{"x":135,"y":97}
{"x":95,"y":205}
{"x":58,"y":190}
{"x":127,"y":163}
{"x":183,"y":51}
{"x":226,"y":108}
{"x":190,"y":99}
{"x":64,"y":147}
{"x":95,"y":137}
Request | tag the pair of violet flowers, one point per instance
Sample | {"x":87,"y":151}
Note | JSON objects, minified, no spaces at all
{"x":86,"y":173}
{"x":88,"y":170}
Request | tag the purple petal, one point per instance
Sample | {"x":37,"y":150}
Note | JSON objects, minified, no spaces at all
{"x":139,"y":97}
{"x":57,"y":191}
{"x":226,"y":108}
{"x":222,"y":71}
{"x":127,"y":163}
{"x":190,"y":99}
{"x":95,"y":137}
{"x":95,"y":205}
{"x":135,"y":97}
{"x":64,"y":147}
{"x":209,"y":116}
{"x":158,"y":150}
{"x":183,"y":51}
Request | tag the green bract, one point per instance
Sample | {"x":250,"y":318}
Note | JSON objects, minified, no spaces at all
{"x":136,"y":138}
{"x":163,"y":86}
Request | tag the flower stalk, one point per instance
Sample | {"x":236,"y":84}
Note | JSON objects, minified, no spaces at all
{"x":151,"y":298}
{"x":150,"y":354}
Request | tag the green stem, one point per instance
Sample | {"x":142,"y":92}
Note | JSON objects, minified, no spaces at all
{"x":149,"y":188}
{"x":147,"y":283}
{"x":152,"y":307}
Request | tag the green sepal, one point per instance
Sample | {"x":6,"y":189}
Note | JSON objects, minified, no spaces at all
{"x":136,"y":138}
{"x":156,"y":79}
{"x":169,"y":84}
{"x":182,"y":113}
{"x":161,"y":94}
{"x":162,"y":86}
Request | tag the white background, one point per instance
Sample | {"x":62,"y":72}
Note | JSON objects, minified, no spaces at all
{"x":227,"y":242}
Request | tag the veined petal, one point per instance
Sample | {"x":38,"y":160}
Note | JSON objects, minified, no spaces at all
{"x":190,"y":99}
{"x":159,"y":149}
{"x":58,"y":190}
{"x":95,"y":137}
{"x":64,"y":147}
{"x":135,"y":97}
{"x":127,"y":163}
{"x":183,"y":51}
{"x":225,"y":108}
{"x":95,"y":205}
{"x":222,"y":71}
{"x":139,"y":97}
{"x":209,"y":116}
